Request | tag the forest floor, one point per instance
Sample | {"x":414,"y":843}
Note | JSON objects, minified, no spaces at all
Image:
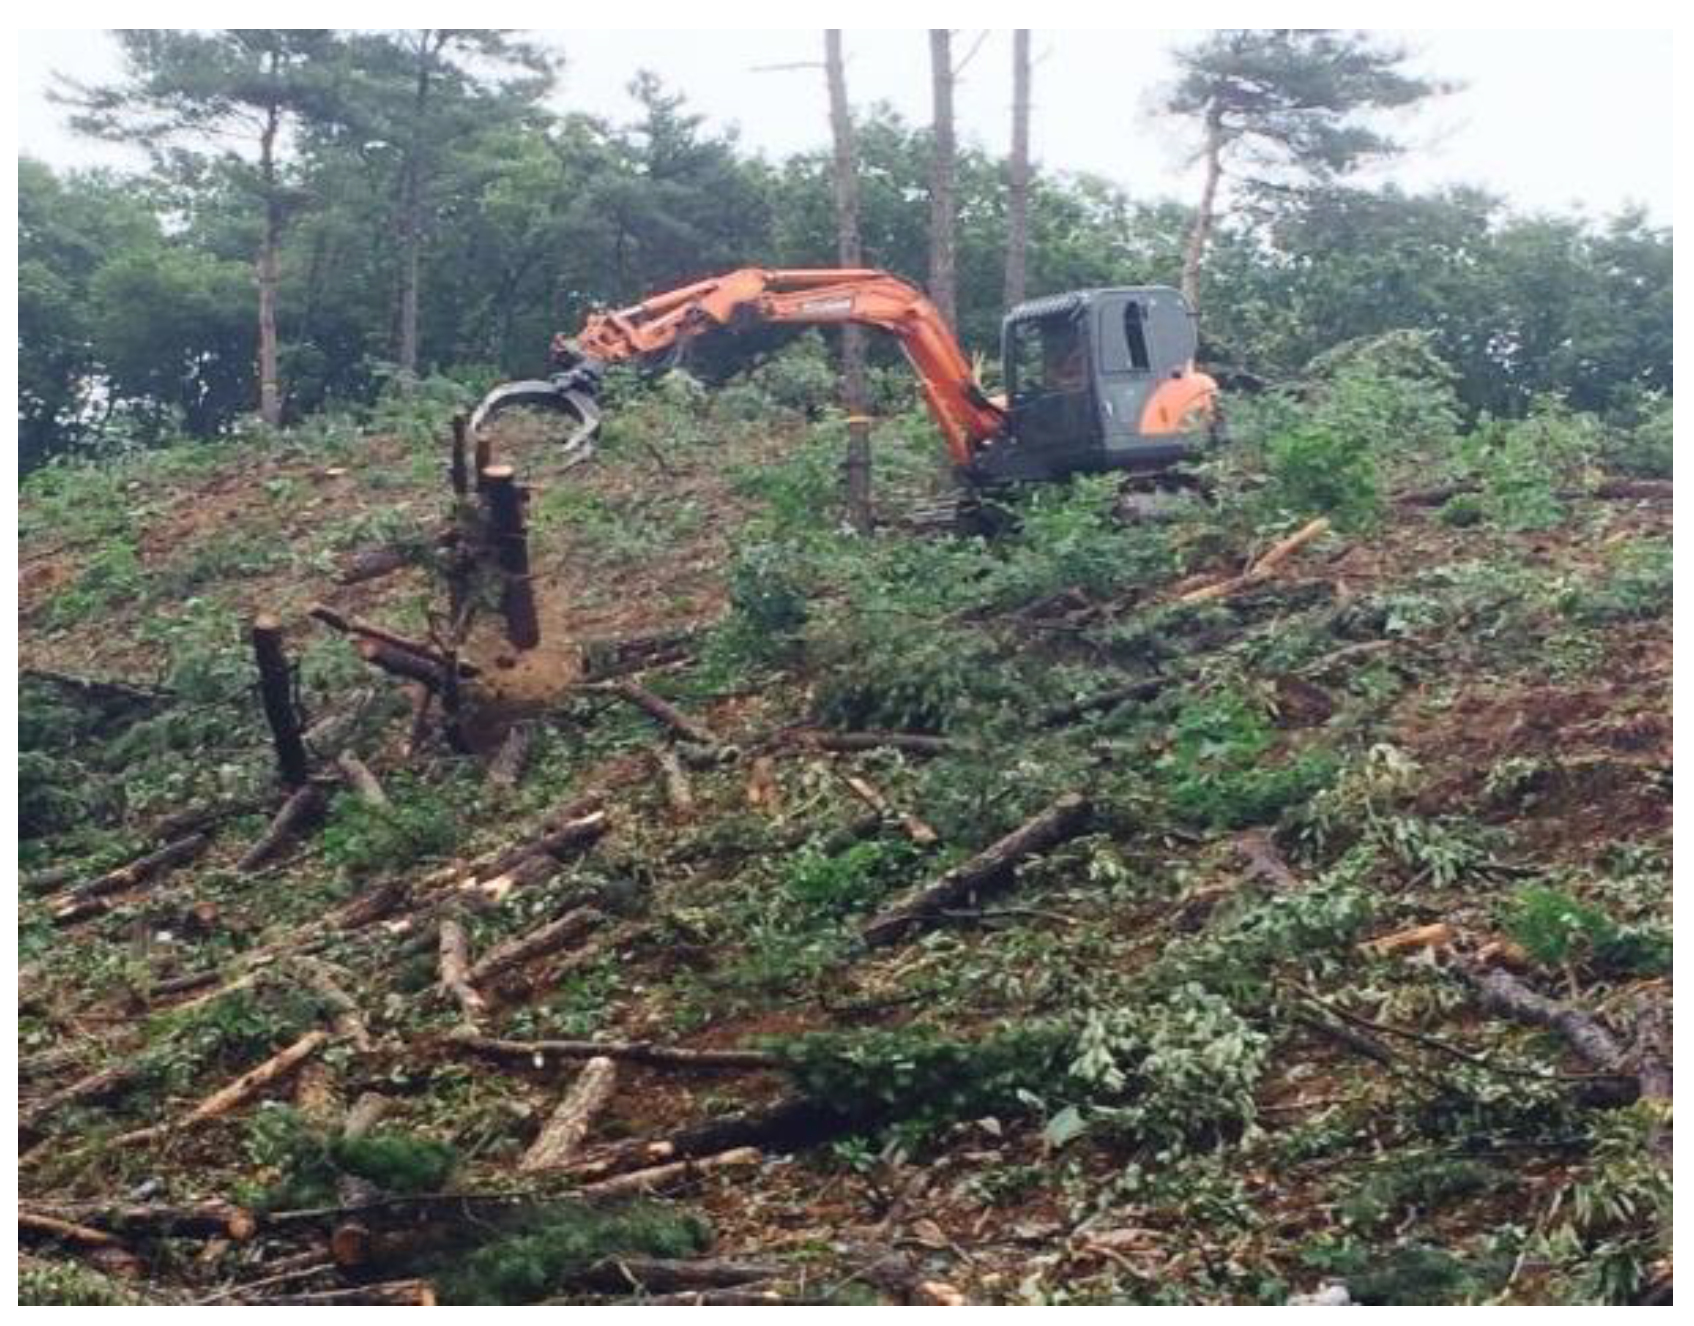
{"x":1261,"y":1020}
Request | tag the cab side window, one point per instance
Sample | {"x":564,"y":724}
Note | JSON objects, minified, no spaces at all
{"x":1135,"y":335}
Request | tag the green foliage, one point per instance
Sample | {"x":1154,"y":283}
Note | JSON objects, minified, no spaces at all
{"x":1316,"y":469}
{"x":854,"y":880}
{"x":538,"y":1254}
{"x":1645,"y":446}
{"x":1523,"y":464}
{"x":112,"y":576}
{"x":1634,"y":586}
{"x":1217,"y":770}
{"x":68,"y":1284}
{"x":309,"y":1162}
{"x":1557,"y":929}
{"x":1415,"y":1186}
{"x":1412,"y":1274}
{"x":420,"y":822}
{"x":227,"y":1035}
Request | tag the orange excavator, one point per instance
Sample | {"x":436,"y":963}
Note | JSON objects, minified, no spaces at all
{"x":1095,"y":379}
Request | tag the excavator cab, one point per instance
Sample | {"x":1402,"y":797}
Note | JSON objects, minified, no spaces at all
{"x":1099,"y":380}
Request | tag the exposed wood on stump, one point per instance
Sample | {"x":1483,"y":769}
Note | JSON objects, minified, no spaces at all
{"x":276,"y":693}
{"x":297,"y":813}
{"x":569,"y":1124}
{"x":1063,"y":820}
{"x":511,"y":550}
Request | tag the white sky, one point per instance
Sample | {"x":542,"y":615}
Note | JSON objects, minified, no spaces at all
{"x":1550,"y":120}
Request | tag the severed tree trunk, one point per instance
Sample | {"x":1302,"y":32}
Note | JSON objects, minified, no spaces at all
{"x":276,"y":692}
{"x":511,"y":548}
{"x":455,"y":970}
{"x":849,"y":253}
{"x":943,"y":220}
{"x":297,"y":813}
{"x":1062,"y":820}
{"x":560,"y":1137}
{"x":663,"y":1177}
{"x":1017,"y":176}
{"x":1200,"y":233}
{"x":544,"y":939}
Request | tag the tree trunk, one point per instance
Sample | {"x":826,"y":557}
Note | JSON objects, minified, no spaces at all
{"x":1198,"y":236}
{"x":511,"y":547}
{"x":430,"y":42}
{"x":943,"y":165}
{"x":1017,"y":183}
{"x":270,"y":395}
{"x":855,"y":393}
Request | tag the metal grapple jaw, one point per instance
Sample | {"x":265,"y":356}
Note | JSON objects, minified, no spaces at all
{"x":572,"y":392}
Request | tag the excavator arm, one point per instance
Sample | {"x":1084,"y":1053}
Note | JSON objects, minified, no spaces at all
{"x":757,"y":296}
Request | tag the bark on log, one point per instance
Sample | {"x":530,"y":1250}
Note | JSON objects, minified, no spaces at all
{"x":663,"y":1177}
{"x":1501,"y":992}
{"x":690,"y":729}
{"x":1063,"y":820}
{"x":511,"y":550}
{"x":914,"y":828}
{"x":223,"y":1219}
{"x":276,"y":693}
{"x":371,"y":564}
{"x":73,"y":906}
{"x":34,"y":1222}
{"x":94,"y":1086}
{"x":360,"y":779}
{"x":297,"y":813}
{"x":563,"y":1132}
{"x":536,"y":1053}
{"x":370,"y":631}
{"x":911,"y":743}
{"x":558,"y":839}
{"x":350,"y":1241}
{"x":345,"y":1018}
{"x":678,"y":791}
{"x":455,"y":970}
{"x":508,"y":762}
{"x":1265,"y":567}
{"x":238,"y":1092}
{"x":548,"y":938}
{"x":403,"y":663}
{"x":458,"y":470}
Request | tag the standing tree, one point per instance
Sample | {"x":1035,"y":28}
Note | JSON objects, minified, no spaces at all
{"x":1284,"y":102}
{"x":943,"y":218}
{"x":216,"y":88}
{"x":855,"y":393}
{"x":1017,"y":175}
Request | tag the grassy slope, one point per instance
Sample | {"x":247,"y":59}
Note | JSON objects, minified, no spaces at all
{"x":1502,"y":766}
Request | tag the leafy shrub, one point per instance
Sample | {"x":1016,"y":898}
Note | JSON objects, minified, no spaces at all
{"x":46,"y":1285}
{"x":853,"y":880}
{"x":1645,"y":447}
{"x":310,"y":1162}
{"x":911,"y":674}
{"x":1415,"y":1184}
{"x":418,"y":823}
{"x":112,"y":576}
{"x":1522,"y":464}
{"x":1216,"y":771}
{"x":1391,"y":394}
{"x":1316,"y":469}
{"x":1635,"y":587}
{"x":768,"y":604}
{"x":1556,"y":928}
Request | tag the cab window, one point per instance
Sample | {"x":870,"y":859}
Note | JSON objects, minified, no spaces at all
{"x":1048,"y":356}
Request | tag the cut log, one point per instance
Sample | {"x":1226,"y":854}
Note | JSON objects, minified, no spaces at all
{"x":75,"y":905}
{"x":1264,"y":568}
{"x":537,"y":1053}
{"x":276,"y":693}
{"x":220,"y":1219}
{"x":910,"y":743}
{"x":35,"y":1222}
{"x":1501,"y":992}
{"x":662,"y":1275}
{"x":563,"y":1132}
{"x":678,"y":790}
{"x":351,"y":1239}
{"x":297,"y":814}
{"x":548,"y":938}
{"x":345,"y":1018}
{"x":455,"y":970}
{"x":359,"y":777}
{"x":371,"y":631}
{"x":1063,"y":820}
{"x":238,"y":1092}
{"x":508,"y":762}
{"x":557,"y":839}
{"x":371,"y":564}
{"x":403,"y":663}
{"x":690,"y":729}
{"x":914,"y":828}
{"x":94,"y":1086}
{"x":1437,"y":935}
{"x":661,"y":1178}
{"x":511,"y":550}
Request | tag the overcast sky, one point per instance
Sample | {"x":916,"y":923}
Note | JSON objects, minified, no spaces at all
{"x":1551,"y":120}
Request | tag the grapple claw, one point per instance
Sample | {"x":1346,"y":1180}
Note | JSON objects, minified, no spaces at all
{"x":568,"y":394}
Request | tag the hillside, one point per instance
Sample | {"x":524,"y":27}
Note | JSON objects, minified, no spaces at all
{"x":1330,"y":944}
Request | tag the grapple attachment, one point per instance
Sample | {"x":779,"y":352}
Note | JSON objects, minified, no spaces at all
{"x":572,"y":393}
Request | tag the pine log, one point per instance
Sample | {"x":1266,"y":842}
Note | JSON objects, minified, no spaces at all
{"x":661,"y":1178}
{"x":345,"y":1018}
{"x":536,"y":1053}
{"x":238,"y":1092}
{"x":108,"y":1081}
{"x":914,"y":828}
{"x":221,"y":1219}
{"x":508,"y":762}
{"x":75,"y":904}
{"x":359,"y":777}
{"x":371,"y":631}
{"x":297,"y":813}
{"x":558,"y":837}
{"x":690,"y":729}
{"x":1501,"y":992}
{"x":276,"y":692}
{"x":455,"y":970}
{"x":548,"y":938}
{"x":1063,"y":820}
{"x":569,"y":1124}
{"x":1265,"y":567}
{"x":35,"y":1222}
{"x":403,"y":663}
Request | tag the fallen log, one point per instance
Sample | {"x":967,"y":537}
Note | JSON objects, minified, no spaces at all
{"x":221,"y":1219}
{"x":455,"y":970}
{"x":791,"y":1125}
{"x":536,"y":1053}
{"x":360,"y":779}
{"x":664,"y":1275}
{"x":297,"y":813}
{"x":34,"y":1222}
{"x":1063,"y":820}
{"x":1438,"y":935}
{"x":338,"y":621}
{"x":690,"y":729}
{"x":1138,"y":693}
{"x":346,"y":1020}
{"x":1501,"y":992}
{"x":557,"y":838}
{"x":548,"y":938}
{"x":89,"y":899}
{"x":604,"y":659}
{"x":661,"y":1178}
{"x":564,"y":1130}
{"x":914,"y":828}
{"x":94,"y":1086}
{"x":387,"y":1293}
{"x":351,"y":1239}
{"x":238,"y":1092}
{"x":507,"y":764}
{"x":403,"y":663}
{"x":1262,"y":569}
{"x":911,"y":743}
